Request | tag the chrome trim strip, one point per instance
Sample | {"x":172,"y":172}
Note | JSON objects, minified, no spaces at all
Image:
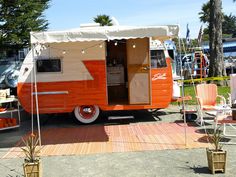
{"x":51,"y":93}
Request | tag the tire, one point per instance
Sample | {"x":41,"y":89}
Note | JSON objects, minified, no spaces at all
{"x":152,"y":110}
{"x":11,"y":78}
{"x":87,"y":113}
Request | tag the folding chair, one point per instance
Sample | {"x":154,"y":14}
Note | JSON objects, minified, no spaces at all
{"x":229,"y":127}
{"x":207,"y":98}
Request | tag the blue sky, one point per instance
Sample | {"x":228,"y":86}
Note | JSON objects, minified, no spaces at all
{"x":66,"y":14}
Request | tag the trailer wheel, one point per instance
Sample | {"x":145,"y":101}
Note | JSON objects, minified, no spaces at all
{"x":153,"y":110}
{"x":86,"y":113}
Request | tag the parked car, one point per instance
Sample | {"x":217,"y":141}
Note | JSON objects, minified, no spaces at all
{"x":9,"y":72}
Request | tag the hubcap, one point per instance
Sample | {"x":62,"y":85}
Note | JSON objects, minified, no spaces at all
{"x":87,"y":112}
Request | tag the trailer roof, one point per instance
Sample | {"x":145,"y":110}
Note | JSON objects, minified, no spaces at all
{"x":105,"y":33}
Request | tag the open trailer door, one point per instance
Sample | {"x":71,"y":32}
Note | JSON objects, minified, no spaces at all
{"x":138,"y":63}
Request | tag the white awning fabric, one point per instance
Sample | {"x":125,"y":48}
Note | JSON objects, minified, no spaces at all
{"x":104,"y":33}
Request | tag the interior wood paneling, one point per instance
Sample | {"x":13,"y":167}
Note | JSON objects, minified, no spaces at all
{"x":138,"y":71}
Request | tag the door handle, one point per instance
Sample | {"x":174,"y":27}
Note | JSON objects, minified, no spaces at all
{"x":146,"y":68}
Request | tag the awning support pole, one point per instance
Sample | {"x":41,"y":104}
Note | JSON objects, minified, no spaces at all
{"x":183,"y":103}
{"x":36,"y":97}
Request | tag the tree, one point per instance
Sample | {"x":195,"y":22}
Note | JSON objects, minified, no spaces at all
{"x":18,"y":18}
{"x":205,"y":13}
{"x":228,"y":23}
{"x":216,"y":67}
{"x":103,"y":20}
{"x":234,"y":34}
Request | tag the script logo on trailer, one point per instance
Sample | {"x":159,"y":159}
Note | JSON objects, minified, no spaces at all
{"x":159,"y":76}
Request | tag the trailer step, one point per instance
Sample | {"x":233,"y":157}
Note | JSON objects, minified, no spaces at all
{"x":120,"y":117}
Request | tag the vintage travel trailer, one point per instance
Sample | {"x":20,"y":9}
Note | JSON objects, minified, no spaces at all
{"x":90,"y":69}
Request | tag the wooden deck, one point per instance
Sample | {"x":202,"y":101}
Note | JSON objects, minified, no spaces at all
{"x":93,"y":139}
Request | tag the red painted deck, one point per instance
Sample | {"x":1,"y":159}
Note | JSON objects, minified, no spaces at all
{"x":93,"y":139}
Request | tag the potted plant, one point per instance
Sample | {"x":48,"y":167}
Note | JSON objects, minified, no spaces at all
{"x":32,"y":163}
{"x":216,"y":157}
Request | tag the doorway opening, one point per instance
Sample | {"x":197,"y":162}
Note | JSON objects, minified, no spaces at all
{"x":117,"y":77}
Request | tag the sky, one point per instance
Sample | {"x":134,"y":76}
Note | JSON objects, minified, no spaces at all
{"x":67,"y":14}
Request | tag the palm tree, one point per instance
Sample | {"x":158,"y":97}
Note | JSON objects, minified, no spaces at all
{"x":103,"y":20}
{"x":205,"y":13}
{"x":228,"y":23}
{"x":212,"y":11}
{"x":216,"y":67}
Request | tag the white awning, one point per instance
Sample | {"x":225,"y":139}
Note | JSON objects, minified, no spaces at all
{"x":104,"y":33}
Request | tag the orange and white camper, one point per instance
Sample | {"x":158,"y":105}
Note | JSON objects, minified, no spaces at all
{"x":90,"y":69}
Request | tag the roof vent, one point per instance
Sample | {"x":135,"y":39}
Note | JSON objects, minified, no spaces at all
{"x":85,"y":25}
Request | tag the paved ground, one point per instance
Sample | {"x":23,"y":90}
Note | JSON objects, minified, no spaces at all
{"x":187,"y":162}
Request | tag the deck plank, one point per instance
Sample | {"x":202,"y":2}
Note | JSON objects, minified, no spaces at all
{"x":114,"y":138}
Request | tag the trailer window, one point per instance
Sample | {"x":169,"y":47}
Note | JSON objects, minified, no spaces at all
{"x":48,"y":65}
{"x":158,"y":59}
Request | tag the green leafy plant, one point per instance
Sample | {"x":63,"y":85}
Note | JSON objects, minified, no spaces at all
{"x":215,"y":138}
{"x":31,"y":150}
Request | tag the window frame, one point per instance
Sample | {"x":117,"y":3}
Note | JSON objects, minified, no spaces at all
{"x":51,"y":58}
{"x":163,"y":66}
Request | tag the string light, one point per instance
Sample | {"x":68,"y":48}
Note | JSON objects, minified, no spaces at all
{"x":83,"y":50}
{"x":44,"y":47}
{"x":37,"y":52}
{"x":100,"y":45}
